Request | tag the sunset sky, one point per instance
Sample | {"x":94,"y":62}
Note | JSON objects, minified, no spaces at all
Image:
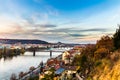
{"x":69,"y":21}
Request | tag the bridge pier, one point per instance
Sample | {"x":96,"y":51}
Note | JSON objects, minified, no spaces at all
{"x":33,"y":52}
{"x":50,"y":53}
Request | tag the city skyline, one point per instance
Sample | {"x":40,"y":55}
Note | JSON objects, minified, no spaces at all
{"x":68,"y":21}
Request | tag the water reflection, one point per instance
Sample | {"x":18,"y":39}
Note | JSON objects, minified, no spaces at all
{"x":8,"y":58}
{"x":22,"y":63}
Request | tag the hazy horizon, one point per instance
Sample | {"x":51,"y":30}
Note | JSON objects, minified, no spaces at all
{"x":67,"y":21}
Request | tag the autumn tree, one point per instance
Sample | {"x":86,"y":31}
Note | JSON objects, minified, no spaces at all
{"x":85,"y":59}
{"x":104,"y":46}
{"x":116,"y":38}
{"x":101,"y":53}
{"x":105,"y":42}
{"x":21,"y":74}
{"x":89,"y":50}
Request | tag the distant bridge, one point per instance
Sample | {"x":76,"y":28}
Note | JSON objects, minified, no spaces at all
{"x":60,"y":49}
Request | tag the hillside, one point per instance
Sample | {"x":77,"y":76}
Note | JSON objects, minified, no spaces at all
{"x":22,"y":41}
{"x":107,"y":69}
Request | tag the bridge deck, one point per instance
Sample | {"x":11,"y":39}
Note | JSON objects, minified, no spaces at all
{"x":45,"y":51}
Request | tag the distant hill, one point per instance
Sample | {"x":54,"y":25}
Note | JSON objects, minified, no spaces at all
{"x":22,"y":41}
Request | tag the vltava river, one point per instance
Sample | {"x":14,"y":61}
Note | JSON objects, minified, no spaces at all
{"x":22,"y":63}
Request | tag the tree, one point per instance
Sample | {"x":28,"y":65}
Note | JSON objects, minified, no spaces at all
{"x":13,"y":77}
{"x":32,"y":68}
{"x":89,"y":51}
{"x":76,"y":60}
{"x":4,"y":51}
{"x":105,"y":42}
{"x":21,"y":74}
{"x":101,"y":53}
{"x":22,"y":50}
{"x":85,"y":59}
{"x":116,"y":38}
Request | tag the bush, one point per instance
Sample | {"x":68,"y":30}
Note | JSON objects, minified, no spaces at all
{"x":101,"y":53}
{"x":105,"y":42}
{"x":97,"y":63}
{"x":115,"y":56}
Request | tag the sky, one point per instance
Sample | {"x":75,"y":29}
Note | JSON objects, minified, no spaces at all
{"x":67,"y":21}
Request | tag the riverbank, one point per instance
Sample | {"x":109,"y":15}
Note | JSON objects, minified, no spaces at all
{"x":5,"y":52}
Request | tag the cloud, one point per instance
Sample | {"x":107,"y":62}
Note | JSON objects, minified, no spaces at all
{"x":46,"y":25}
{"x":94,"y":30}
{"x":77,"y":35}
{"x":28,"y":28}
{"x":52,"y":11}
{"x":78,"y":30}
{"x":70,"y":22}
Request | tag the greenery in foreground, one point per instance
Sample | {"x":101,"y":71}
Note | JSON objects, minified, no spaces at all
{"x":102,"y":60}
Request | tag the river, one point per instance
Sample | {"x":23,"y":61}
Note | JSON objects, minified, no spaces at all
{"x":22,"y":63}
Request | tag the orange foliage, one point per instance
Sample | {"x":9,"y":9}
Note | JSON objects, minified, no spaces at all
{"x":101,"y":53}
{"x":105,"y":42}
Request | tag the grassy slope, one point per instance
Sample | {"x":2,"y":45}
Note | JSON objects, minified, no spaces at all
{"x":107,"y":69}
